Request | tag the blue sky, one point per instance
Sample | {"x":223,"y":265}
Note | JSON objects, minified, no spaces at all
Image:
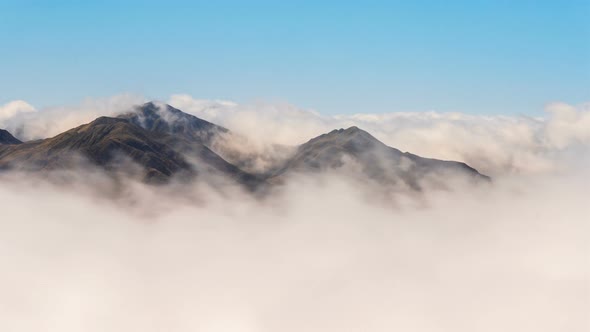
{"x":484,"y":57}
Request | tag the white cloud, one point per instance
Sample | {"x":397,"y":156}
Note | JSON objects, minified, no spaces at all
{"x":494,"y":144}
{"x":51,"y":121}
{"x":319,"y":254}
{"x":15,"y":107}
{"x":568,"y":125}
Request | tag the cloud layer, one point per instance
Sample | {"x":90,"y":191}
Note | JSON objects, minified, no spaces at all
{"x":320,"y":256}
{"x":322,"y":253}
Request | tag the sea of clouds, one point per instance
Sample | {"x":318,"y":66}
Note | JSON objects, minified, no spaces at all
{"x":323,"y":253}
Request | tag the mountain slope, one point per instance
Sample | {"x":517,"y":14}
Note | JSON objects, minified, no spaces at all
{"x":111,"y":142}
{"x":104,"y":142}
{"x":358,"y":149}
{"x":190,"y":136}
{"x":7,"y":138}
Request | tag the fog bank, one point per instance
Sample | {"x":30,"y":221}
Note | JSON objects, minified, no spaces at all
{"x":322,"y":253}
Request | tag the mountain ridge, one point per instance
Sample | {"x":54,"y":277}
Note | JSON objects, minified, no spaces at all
{"x":376,"y":160}
{"x":166,"y":142}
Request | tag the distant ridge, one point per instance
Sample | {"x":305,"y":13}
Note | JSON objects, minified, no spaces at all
{"x":379,"y":162}
{"x":165,"y":142}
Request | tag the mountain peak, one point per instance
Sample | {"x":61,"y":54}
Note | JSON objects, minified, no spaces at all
{"x":348,"y":131}
{"x":157,"y":107}
{"x":353,"y":129}
{"x":352,"y":137}
{"x":153,"y":109}
{"x":377,"y":161}
{"x":163,"y":118}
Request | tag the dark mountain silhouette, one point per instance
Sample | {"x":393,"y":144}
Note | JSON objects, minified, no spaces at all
{"x":7,"y":138}
{"x":162,"y":142}
{"x":374,"y":159}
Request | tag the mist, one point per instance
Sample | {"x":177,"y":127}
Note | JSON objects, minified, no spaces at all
{"x":322,"y":252}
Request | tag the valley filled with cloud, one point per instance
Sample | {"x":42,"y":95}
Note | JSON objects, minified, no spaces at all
{"x":320,"y":251}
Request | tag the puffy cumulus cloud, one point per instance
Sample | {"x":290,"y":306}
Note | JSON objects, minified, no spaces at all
{"x":205,"y":107}
{"x":568,"y":125}
{"x":15,"y":107}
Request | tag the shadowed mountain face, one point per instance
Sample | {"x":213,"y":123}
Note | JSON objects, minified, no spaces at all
{"x":7,"y":138}
{"x":360,"y":150}
{"x":162,"y":142}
